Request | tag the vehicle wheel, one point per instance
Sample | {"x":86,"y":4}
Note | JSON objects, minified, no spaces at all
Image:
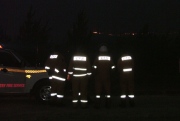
{"x":42,"y":92}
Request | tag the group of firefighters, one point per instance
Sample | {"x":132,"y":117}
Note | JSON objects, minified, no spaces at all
{"x":79,"y":71}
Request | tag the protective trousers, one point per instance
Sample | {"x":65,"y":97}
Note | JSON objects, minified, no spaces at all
{"x":57,"y":89}
{"x":127,"y":88}
{"x":101,"y":84}
{"x":79,"y":85}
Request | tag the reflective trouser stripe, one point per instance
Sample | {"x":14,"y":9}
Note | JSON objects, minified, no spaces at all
{"x":60,"y":96}
{"x":131,"y":96}
{"x":74,"y":101}
{"x":53,"y":94}
{"x":98,"y":96}
{"x":108,"y":96}
{"x":50,"y":77}
{"x":84,"y":101}
{"x":123,"y":96}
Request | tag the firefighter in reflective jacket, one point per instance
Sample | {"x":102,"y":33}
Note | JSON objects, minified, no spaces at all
{"x":125,"y":67}
{"x":103,"y":65}
{"x":79,"y":69}
{"x":56,"y":68}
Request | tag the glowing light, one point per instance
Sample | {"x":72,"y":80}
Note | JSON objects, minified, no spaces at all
{"x":28,"y":76}
{"x":104,"y":58}
{"x":126,"y":58}
{"x":95,"y":32}
{"x":79,"y":58}
{"x":1,"y":47}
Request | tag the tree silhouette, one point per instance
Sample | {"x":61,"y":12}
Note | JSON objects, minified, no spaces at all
{"x":4,"y":38}
{"x":34,"y":35}
{"x":79,"y":35}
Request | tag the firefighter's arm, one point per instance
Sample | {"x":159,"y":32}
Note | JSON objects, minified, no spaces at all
{"x":70,"y":70}
{"x":88,"y":68}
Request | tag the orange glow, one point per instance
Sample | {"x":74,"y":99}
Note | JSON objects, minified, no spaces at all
{"x":1,"y":47}
{"x":24,"y":71}
{"x":95,"y":32}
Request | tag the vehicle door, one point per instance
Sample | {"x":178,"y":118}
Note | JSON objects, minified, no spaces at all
{"x":12,"y":75}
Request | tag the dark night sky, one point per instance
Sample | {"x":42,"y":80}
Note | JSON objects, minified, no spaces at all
{"x":106,"y":15}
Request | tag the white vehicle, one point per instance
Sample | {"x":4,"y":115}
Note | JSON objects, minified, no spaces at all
{"x":17,"y":77}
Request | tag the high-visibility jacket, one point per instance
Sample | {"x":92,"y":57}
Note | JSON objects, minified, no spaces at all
{"x":103,"y":65}
{"x":79,"y":66}
{"x":56,"y":66}
{"x":125,"y":64}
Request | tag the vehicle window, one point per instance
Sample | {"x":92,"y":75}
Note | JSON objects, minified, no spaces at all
{"x":6,"y":59}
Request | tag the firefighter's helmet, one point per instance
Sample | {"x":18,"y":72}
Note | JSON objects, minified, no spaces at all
{"x":103,"y":49}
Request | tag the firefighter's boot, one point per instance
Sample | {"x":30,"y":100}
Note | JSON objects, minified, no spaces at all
{"x":123,"y":103}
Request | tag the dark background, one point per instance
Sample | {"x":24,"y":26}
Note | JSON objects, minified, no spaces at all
{"x":148,"y":29}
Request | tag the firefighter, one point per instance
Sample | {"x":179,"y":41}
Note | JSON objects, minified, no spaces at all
{"x":125,"y":67}
{"x":79,"y":69}
{"x":103,"y":65}
{"x":56,"y":68}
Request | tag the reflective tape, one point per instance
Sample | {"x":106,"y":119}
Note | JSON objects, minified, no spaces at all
{"x":131,"y":96}
{"x":74,"y":101}
{"x":124,"y":58}
{"x":79,"y":58}
{"x":79,"y":75}
{"x":80,"y":69}
{"x":123,"y":96}
{"x":70,"y":72}
{"x":53,"y":94}
{"x":104,"y":58}
{"x":108,"y":96}
{"x":84,"y":101}
{"x":47,"y":67}
{"x":127,"y":69}
{"x":60,"y":96}
{"x":95,"y":67}
{"x":58,"y":78}
{"x":89,"y":73}
{"x":50,"y":77}
{"x":56,"y":70}
{"x":98,"y":96}
{"x":112,"y":67}
{"x":53,"y":56}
